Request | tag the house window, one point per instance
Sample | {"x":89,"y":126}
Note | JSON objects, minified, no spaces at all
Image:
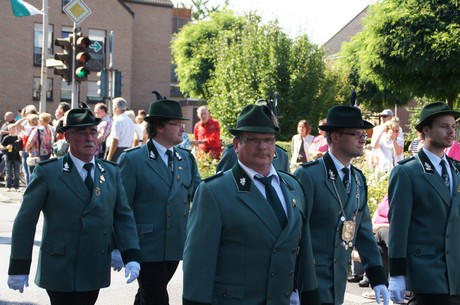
{"x":64,"y":3}
{"x":97,"y":50}
{"x":66,"y":92}
{"x":93,"y":97}
{"x":38,"y":42}
{"x":36,"y":89}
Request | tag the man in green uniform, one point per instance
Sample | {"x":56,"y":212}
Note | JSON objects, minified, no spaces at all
{"x":83,"y":202}
{"x":248,"y":228}
{"x":160,"y":180}
{"x":424,"y":196}
{"x":336,"y":192}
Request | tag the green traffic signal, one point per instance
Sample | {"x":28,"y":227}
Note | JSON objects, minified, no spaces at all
{"x":82,"y":57}
{"x":82,"y":73}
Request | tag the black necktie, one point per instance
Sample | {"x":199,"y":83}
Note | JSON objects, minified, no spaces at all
{"x":444,"y":174}
{"x":88,"y":180}
{"x":346,"y":179}
{"x":273,"y":199}
{"x":170,"y":161}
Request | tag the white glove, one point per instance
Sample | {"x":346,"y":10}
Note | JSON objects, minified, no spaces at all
{"x":382,"y":290}
{"x":294,"y":298}
{"x":397,"y":288}
{"x":18,"y":282}
{"x":117,"y":261}
{"x":132,"y":270}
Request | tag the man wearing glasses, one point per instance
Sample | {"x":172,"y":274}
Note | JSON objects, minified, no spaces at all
{"x":248,"y":228}
{"x":336,"y":192}
{"x":160,"y":180}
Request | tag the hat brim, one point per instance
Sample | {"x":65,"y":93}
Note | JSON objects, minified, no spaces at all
{"x":257,"y":129}
{"x":65,"y":128}
{"x":164,"y":118}
{"x":420,"y":125}
{"x":366,"y":125}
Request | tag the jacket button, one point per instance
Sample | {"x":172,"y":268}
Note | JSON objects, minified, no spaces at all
{"x":274,"y":251}
{"x":417,"y":251}
{"x":272,"y":273}
{"x":224,"y":295}
{"x":291,"y":272}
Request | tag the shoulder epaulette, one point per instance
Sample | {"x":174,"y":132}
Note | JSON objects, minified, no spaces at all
{"x":281,"y":147}
{"x":306,"y":164}
{"x":133,"y":148}
{"x":107,"y":161}
{"x":213,"y":177}
{"x":183,"y":148}
{"x":48,"y":161}
{"x":229,"y":145}
{"x":406,"y":160}
{"x":454,"y":163}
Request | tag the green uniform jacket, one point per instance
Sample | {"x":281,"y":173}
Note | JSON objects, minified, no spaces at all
{"x":228,"y":159}
{"x":236,"y":251}
{"x":425,"y":226}
{"x":160,"y":201}
{"x":331,"y":258}
{"x":76,"y":245}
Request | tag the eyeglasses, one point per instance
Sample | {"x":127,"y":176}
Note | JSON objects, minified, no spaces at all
{"x":357,"y":135}
{"x":180,"y":125}
{"x":257,"y":141}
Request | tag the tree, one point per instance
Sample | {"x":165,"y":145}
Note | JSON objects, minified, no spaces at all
{"x":234,"y":61}
{"x":194,"y":50}
{"x":410,"y":47}
{"x":200,"y":9}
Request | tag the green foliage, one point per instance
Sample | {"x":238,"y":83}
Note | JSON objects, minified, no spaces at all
{"x":194,"y":49}
{"x":410,"y":47}
{"x":377,"y":184}
{"x":234,"y":61}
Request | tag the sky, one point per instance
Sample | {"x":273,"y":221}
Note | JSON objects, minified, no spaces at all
{"x":320,"y":19}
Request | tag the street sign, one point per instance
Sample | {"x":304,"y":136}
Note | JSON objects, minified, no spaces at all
{"x":96,"y":46}
{"x":77,"y":10}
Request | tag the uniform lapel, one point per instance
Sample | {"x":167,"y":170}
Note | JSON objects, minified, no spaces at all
{"x":155,"y":162}
{"x":251,"y":197}
{"x":291,"y":200}
{"x":332,"y":177}
{"x":455,"y":190}
{"x":71,"y":178}
{"x":178,"y":173}
{"x":433,"y":177}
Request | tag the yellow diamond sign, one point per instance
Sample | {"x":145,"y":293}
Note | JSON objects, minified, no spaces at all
{"x":77,"y":10}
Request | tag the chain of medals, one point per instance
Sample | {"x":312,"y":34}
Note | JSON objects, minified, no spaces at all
{"x":349,"y":226}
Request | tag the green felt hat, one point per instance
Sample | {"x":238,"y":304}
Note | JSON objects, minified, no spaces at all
{"x":79,"y":118}
{"x":340,"y":117}
{"x":433,"y":110}
{"x":165,"y":110}
{"x":255,"y":118}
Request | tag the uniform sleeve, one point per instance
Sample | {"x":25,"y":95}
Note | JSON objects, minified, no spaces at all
{"x":201,"y":248}
{"x":124,"y":225}
{"x":400,"y":199}
{"x":25,"y":223}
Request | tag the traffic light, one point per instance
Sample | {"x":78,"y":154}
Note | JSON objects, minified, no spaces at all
{"x":82,"y":57}
{"x":103,"y":83}
{"x":66,"y":56}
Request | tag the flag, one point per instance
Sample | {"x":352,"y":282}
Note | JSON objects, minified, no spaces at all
{"x":21,"y":9}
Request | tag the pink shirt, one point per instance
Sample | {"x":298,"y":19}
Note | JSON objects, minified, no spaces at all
{"x":382,"y":211}
{"x":453,"y":151}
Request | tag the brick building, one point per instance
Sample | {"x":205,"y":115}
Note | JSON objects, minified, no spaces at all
{"x":141,"y":51}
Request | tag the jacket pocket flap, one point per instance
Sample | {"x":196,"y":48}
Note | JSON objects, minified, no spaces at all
{"x":144,"y":228}
{"x":226,"y":291}
{"x":420,"y":250}
{"x":53,"y":248}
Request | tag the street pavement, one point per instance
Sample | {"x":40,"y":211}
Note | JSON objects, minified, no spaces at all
{"x":119,"y":293}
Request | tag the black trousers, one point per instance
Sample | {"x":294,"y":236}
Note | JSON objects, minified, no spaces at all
{"x":73,"y":298}
{"x":431,"y":299}
{"x":153,"y":282}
